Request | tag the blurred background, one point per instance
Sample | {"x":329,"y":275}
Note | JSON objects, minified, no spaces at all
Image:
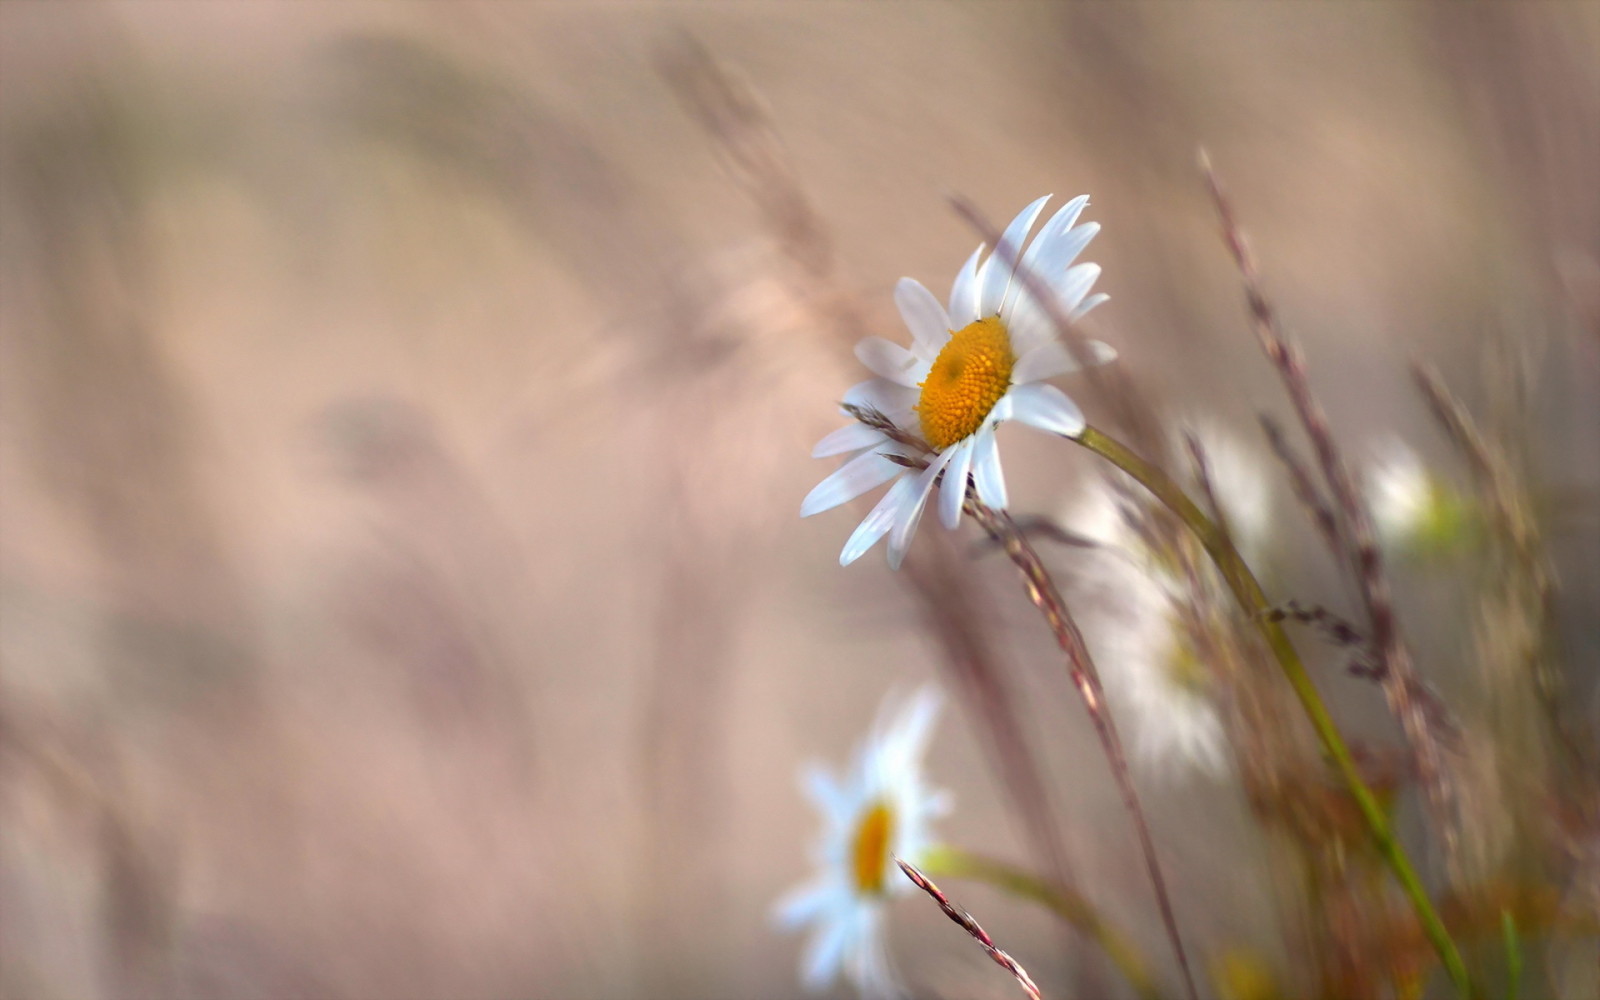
{"x":404,"y":411}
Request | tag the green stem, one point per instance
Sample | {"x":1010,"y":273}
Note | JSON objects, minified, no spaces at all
{"x":1247,"y":591}
{"x":1508,"y":925}
{"x":953,"y":862}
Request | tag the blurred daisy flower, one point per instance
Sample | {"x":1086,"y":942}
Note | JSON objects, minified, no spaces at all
{"x":876,"y":812}
{"x":1162,"y":646}
{"x":1415,"y":513}
{"x":1155,"y":671}
{"x":970,"y":367}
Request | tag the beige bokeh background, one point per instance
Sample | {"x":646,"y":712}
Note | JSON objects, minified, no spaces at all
{"x":404,"y":409}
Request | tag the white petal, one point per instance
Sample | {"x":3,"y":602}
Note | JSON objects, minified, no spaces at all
{"x":891,"y":400}
{"x":907,"y":739}
{"x":1044,"y":406}
{"x":1061,"y":222}
{"x":869,"y":961}
{"x":888,"y":360}
{"x":1063,"y":250}
{"x":1090,"y":303}
{"x":906,"y":523}
{"x":851,"y":437}
{"x":955,"y":485}
{"x":1001,"y":265}
{"x":1046,"y":261}
{"x":1100,"y":352}
{"x":1080,"y":278}
{"x":986,"y":472}
{"x":823,"y":789}
{"x":854,"y":478}
{"x":802,"y":904}
{"x":876,"y":524}
{"x":825,"y":952}
{"x":924,"y":316}
{"x":964,"y":292}
{"x":1027,"y":323}
{"x":1043,"y":249}
{"x":1052,"y":358}
{"x":1047,"y":360}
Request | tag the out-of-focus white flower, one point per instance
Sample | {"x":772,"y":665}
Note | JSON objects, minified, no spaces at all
{"x":1414,"y":511}
{"x":969,"y":368}
{"x":1243,"y":487}
{"x":878,"y":810}
{"x":1147,"y":649}
{"x":1398,"y":492}
{"x":1157,"y":679}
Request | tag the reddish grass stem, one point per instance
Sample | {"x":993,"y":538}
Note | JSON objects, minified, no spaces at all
{"x":1086,"y":677}
{"x":1305,"y":490}
{"x":1401,"y":687}
{"x":971,"y":926}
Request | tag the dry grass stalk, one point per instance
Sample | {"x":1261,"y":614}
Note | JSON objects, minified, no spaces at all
{"x":734,"y":114}
{"x":82,"y":777}
{"x":1515,"y":615}
{"x":971,"y":926}
{"x":1305,"y":490}
{"x":1043,"y":593}
{"x":1334,"y":629}
{"x":1499,"y":482}
{"x":1401,"y":686}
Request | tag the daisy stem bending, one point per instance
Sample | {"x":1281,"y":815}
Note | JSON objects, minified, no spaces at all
{"x":953,"y":862}
{"x":1247,"y":591}
{"x":1086,"y":677}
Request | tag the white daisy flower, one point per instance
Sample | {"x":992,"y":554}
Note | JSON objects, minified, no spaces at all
{"x":1145,"y":652}
{"x":1399,"y":493}
{"x":969,"y":368}
{"x":878,"y":811}
{"x":1416,"y":513}
{"x":1157,"y":678}
{"x":1149,"y":653}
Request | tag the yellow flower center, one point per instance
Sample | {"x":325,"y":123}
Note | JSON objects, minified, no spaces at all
{"x":968,"y":377}
{"x":871,"y":849}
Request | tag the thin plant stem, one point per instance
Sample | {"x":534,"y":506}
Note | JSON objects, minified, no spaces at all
{"x":964,"y":920}
{"x":1304,"y":489}
{"x":1508,"y":928}
{"x":1397,"y":675}
{"x":1063,"y":901}
{"x":1509,"y":511}
{"x":1247,"y":591}
{"x":1044,"y":595}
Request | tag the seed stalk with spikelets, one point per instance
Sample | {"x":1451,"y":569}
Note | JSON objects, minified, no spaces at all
{"x":964,"y":920}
